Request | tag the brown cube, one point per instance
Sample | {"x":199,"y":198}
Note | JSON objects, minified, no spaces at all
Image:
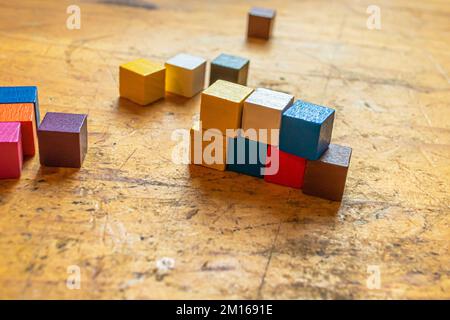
{"x":326,"y":176}
{"x":260,"y":22}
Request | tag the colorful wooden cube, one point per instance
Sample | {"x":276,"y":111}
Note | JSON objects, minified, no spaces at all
{"x":142,"y":81}
{"x":229,"y":68}
{"x":246,"y":156}
{"x":208,"y":148}
{"x":63,"y":140}
{"x":221,"y":106}
{"x":260,"y":22}
{"x":19,"y":95}
{"x":306,"y":130}
{"x":185,"y":75}
{"x":23,"y":113}
{"x":284,"y":168}
{"x":262,"y":112}
{"x":11,"y":155}
{"x":326,"y":176}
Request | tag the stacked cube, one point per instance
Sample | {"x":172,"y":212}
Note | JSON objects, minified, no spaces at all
{"x":20,"y":131}
{"x":264,"y":133}
{"x":19,"y":118}
{"x":261,"y":132}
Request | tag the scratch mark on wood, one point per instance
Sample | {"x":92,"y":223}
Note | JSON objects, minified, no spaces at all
{"x":128,"y":158}
{"x":269,"y":259}
{"x":140,"y":4}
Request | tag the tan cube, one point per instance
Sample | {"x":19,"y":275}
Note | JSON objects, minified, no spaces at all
{"x":208,"y":148}
{"x":221,"y":106}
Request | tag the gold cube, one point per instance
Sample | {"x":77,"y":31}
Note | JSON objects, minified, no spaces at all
{"x":221,"y":105}
{"x":142,"y":81}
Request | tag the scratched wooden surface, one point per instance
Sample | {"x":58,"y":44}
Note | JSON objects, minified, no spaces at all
{"x":232,"y":236}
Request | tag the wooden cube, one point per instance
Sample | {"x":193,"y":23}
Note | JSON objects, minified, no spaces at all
{"x":23,"y":113}
{"x":142,"y":81}
{"x":19,"y":95}
{"x":11,"y":158}
{"x":185,"y":75}
{"x":63,"y":140}
{"x":229,"y":68}
{"x":326,"y":176}
{"x":260,"y":22}
{"x":221,"y":106}
{"x":246,"y":156}
{"x":208,"y":148}
{"x":306,"y":130}
{"x":262,"y":112}
{"x":291,"y":169}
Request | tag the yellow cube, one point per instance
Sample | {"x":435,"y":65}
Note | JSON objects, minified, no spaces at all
{"x":142,"y":81}
{"x":221,"y":105}
{"x":185,"y":75}
{"x":208,"y":148}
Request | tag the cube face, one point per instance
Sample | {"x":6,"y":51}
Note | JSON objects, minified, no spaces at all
{"x":221,"y":106}
{"x":211,"y":153}
{"x":63,"y":140}
{"x":326,"y":176}
{"x":142,"y":81}
{"x":262,"y":111}
{"x":19,"y":95}
{"x":23,"y":113}
{"x":229,"y":68}
{"x":306,"y":130}
{"x":185,"y":75}
{"x":260,"y":23}
{"x":11,"y":158}
{"x":291,"y":169}
{"x":246,"y":156}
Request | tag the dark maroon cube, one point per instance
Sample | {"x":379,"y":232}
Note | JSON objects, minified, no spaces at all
{"x":63,"y":140}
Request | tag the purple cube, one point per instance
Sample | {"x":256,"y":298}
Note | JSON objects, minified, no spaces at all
{"x":63,"y":140}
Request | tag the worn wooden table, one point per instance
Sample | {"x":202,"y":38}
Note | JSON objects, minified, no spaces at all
{"x":229,"y":235}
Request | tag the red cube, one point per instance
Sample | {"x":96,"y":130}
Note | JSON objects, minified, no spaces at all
{"x":291,"y":169}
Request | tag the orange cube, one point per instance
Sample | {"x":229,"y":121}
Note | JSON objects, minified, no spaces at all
{"x":23,"y":113}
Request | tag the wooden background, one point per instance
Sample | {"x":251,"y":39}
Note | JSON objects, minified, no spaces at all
{"x":229,"y":235}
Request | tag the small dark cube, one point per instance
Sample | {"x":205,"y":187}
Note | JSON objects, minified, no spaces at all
{"x":326,"y":176}
{"x":246,"y":156}
{"x":63,"y":140}
{"x":260,"y":22}
{"x":229,"y":68}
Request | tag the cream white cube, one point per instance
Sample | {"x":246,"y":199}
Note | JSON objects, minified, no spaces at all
{"x":263,"y":110}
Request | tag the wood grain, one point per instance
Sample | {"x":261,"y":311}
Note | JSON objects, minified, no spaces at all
{"x":232,"y":236}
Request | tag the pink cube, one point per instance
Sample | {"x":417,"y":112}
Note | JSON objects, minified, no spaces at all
{"x":11,"y":157}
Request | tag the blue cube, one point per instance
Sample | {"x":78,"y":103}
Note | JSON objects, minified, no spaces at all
{"x":246,"y":156}
{"x":10,"y":95}
{"x":306,"y":130}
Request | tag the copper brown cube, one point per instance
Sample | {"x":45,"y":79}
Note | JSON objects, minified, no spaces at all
{"x":326,"y":176}
{"x":260,"y":22}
